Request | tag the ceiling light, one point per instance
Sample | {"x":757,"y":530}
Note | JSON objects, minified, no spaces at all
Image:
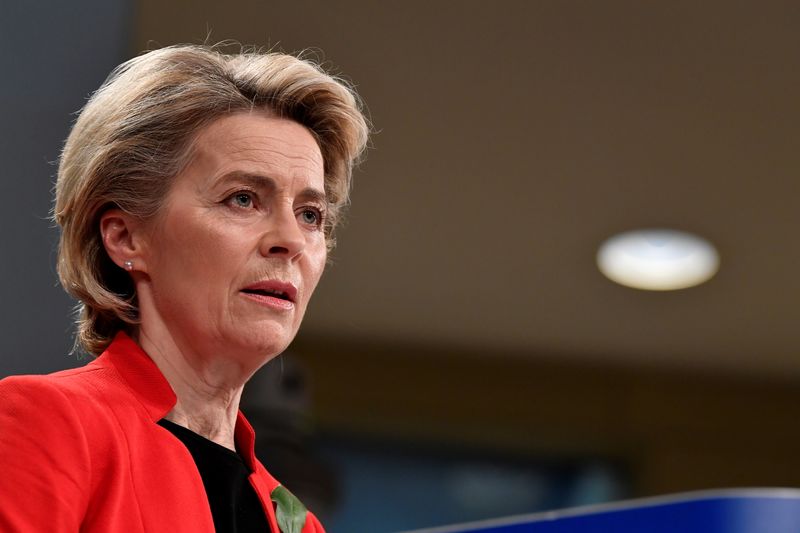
{"x":658,"y":259}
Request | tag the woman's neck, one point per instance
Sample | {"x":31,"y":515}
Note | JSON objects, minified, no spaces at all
{"x":208,"y":390}
{"x":217,"y":423}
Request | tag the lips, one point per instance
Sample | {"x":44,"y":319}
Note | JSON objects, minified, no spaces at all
{"x":273,"y":289}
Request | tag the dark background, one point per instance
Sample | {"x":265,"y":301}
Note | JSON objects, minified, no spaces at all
{"x":53,"y":55}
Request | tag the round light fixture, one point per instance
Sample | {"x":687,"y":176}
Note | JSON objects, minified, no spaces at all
{"x":658,"y":259}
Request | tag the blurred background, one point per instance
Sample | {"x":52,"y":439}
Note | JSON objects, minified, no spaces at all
{"x":464,"y":358}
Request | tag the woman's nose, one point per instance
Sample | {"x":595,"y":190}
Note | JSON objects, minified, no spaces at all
{"x":283,"y":237}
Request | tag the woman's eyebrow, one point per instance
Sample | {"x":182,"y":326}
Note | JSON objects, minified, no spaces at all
{"x":256,"y":181}
{"x":259,"y":181}
{"x":313,"y":195}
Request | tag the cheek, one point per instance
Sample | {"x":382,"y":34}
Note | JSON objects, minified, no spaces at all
{"x":193,"y":256}
{"x":315,"y":266}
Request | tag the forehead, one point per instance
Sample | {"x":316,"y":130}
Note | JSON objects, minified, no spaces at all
{"x":259,"y":144}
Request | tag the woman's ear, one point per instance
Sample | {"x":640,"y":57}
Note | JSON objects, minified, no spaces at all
{"x":123,"y":239}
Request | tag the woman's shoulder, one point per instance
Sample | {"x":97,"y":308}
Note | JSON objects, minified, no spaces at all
{"x":45,"y":446}
{"x":48,"y":403}
{"x":81,"y":409}
{"x":36,"y":412}
{"x":120,"y":386}
{"x":51,"y":391}
{"x":88,"y":397}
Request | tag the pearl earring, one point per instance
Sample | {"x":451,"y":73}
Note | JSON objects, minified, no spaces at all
{"x":128,"y":265}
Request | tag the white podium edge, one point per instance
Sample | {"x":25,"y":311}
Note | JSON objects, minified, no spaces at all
{"x":652,"y":501}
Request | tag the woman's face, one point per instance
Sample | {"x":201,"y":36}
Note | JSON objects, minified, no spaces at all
{"x":234,"y":257}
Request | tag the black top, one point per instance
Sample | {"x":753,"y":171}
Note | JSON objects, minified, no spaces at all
{"x":234,"y":503}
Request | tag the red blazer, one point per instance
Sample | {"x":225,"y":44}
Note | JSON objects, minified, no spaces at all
{"x":80,"y":450}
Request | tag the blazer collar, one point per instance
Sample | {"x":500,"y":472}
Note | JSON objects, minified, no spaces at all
{"x":141,"y":374}
{"x":154,"y":392}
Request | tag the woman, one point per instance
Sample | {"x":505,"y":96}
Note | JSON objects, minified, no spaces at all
{"x":197,"y":196}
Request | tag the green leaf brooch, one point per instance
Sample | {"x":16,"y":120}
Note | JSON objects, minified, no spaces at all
{"x":290,"y":512}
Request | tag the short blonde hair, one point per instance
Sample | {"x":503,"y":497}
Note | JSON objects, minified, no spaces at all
{"x":135,"y":134}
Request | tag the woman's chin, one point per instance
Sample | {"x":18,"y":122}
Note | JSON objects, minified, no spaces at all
{"x":264,"y":345}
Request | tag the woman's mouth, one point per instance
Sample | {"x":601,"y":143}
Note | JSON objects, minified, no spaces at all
{"x":274,"y":294}
{"x":268,"y":292}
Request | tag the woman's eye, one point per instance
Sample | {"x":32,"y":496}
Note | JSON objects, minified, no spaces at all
{"x":312,"y":217}
{"x":242,"y":199}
